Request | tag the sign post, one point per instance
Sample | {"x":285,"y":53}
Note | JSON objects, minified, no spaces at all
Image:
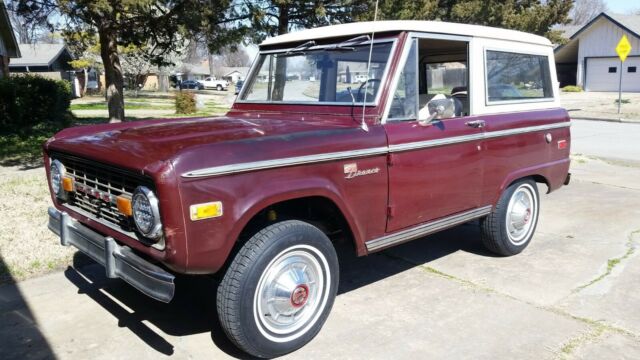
{"x":623,"y":49}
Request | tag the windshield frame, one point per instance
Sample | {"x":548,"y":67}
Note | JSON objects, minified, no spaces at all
{"x":255,"y":67}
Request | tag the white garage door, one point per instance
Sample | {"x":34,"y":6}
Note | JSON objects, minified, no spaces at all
{"x":603,"y":74}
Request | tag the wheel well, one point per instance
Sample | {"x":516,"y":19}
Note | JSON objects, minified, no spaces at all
{"x":542,"y":180}
{"x":316,"y":210}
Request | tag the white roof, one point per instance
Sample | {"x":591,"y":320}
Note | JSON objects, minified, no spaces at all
{"x":439,"y":27}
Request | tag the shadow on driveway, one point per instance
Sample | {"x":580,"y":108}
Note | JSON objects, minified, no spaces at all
{"x":193,"y":310}
{"x":20,"y":337}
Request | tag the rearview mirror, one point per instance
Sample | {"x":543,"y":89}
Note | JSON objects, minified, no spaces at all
{"x":436,"y":109}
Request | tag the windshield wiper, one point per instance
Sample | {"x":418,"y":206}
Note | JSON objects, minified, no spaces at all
{"x":300,"y":48}
{"x":348,"y":44}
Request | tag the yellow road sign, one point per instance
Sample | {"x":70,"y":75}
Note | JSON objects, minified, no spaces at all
{"x":624,"y":48}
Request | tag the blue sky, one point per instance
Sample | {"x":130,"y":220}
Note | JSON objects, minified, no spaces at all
{"x":622,"y":6}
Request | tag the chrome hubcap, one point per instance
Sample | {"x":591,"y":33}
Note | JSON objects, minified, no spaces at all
{"x":521,"y":214}
{"x":291,"y":293}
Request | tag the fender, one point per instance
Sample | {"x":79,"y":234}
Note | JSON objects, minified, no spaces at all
{"x":245,"y":195}
{"x":553,"y":173}
{"x":310,"y":187}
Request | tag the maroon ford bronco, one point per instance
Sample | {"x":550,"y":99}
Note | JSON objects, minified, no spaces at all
{"x":378,"y":138}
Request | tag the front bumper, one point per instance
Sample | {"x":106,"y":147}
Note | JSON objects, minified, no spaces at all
{"x":119,"y":261}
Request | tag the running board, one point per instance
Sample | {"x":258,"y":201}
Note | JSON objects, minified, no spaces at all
{"x":426,"y":229}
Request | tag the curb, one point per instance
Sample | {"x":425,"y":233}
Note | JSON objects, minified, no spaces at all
{"x":620,"y":121}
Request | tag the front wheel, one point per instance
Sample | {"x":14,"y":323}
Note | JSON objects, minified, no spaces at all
{"x":279,"y":289}
{"x":510,"y":226}
{"x":219,"y":87}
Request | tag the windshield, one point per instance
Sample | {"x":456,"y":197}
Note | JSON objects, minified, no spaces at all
{"x":328,"y":75}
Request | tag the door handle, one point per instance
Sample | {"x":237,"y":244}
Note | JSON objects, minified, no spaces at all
{"x":478,"y":124}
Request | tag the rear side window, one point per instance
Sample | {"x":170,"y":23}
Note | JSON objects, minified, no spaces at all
{"x":517,"y":77}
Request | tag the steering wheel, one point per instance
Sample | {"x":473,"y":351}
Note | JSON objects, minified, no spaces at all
{"x":362,"y":86}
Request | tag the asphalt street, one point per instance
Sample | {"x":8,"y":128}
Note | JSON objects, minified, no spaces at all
{"x":571,"y":294}
{"x":611,"y":140}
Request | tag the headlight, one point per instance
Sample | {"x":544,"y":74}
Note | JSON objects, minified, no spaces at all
{"x":146,"y":214}
{"x":57,"y":173}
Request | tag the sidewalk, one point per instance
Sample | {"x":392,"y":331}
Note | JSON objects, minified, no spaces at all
{"x":602,"y":106}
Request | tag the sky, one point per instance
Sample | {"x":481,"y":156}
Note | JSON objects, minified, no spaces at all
{"x":622,"y":6}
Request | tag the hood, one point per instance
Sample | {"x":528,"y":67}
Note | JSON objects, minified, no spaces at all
{"x":138,"y":145}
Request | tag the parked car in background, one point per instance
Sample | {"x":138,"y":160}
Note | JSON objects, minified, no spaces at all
{"x":239,"y":84}
{"x":191,"y":84}
{"x":262,"y":194}
{"x":212,"y":83}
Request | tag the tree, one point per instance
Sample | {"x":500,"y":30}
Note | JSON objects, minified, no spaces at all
{"x":27,"y":32}
{"x":585,"y":10}
{"x":278,"y":17}
{"x":533,"y":16}
{"x":157,"y":26}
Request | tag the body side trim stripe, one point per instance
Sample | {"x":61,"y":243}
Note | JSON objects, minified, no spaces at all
{"x":276,"y":163}
{"x":426,"y":229}
{"x":474,"y":137}
{"x":310,"y":159}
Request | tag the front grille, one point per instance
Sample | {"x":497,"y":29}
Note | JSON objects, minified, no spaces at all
{"x":96,"y":189}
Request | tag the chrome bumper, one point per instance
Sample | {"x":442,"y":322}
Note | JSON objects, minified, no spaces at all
{"x":119,"y":261}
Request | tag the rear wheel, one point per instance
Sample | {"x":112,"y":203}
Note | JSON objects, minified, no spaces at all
{"x":512,"y":223}
{"x":219,"y":87}
{"x":279,"y":289}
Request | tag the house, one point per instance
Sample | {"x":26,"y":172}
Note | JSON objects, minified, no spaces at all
{"x":8,"y":45}
{"x":589,"y":58}
{"x":233,"y":74}
{"x":48,"y":60}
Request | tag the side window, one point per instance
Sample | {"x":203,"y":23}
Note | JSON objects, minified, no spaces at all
{"x":405,"y":100}
{"x":514,"y":76}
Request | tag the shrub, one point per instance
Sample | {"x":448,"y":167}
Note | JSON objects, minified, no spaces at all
{"x":185,"y":103}
{"x":572,"y":88}
{"x":26,"y":101}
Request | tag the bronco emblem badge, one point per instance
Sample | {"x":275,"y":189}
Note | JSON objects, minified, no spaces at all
{"x":351,"y":171}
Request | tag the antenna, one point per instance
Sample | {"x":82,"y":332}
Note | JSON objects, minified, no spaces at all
{"x":366,"y":87}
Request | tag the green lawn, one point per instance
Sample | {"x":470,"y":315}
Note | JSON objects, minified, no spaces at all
{"x":102,"y":105}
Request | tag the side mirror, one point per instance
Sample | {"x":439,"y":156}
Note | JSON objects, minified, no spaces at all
{"x":436,"y":109}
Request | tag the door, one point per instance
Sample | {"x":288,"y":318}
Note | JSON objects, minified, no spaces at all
{"x":435,"y":169}
{"x":603,"y":74}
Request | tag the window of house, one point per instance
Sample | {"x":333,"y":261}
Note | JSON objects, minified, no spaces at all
{"x":631,"y":69}
{"x":613,"y":69}
{"x":515,"y":76}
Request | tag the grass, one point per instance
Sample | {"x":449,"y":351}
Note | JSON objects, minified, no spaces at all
{"x":27,"y":247}
{"x":127,"y":105}
{"x":622,"y":101}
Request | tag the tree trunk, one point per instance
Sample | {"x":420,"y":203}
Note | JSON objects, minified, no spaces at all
{"x":281,"y":62}
{"x":112,"y":74}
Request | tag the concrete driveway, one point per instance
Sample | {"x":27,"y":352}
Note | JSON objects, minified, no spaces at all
{"x":573,"y":293}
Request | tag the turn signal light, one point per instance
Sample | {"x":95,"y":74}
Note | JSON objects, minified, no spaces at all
{"x":206,"y":210}
{"x":67,"y":184}
{"x":562,"y":144}
{"x":124,"y":205}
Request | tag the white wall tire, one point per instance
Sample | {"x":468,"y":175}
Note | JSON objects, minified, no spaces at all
{"x":509,"y":228}
{"x":279,"y":289}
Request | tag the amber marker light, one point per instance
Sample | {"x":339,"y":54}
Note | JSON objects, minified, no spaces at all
{"x":67,"y":184}
{"x":205,"y":210}
{"x":124,"y":205}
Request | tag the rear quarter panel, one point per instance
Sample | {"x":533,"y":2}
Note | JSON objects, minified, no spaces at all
{"x":509,"y":158}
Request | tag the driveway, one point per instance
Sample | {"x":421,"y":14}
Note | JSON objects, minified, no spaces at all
{"x":571,"y":294}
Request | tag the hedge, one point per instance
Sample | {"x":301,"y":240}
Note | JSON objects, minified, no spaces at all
{"x":29,"y":100}
{"x":185,"y":103}
{"x":572,"y":88}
